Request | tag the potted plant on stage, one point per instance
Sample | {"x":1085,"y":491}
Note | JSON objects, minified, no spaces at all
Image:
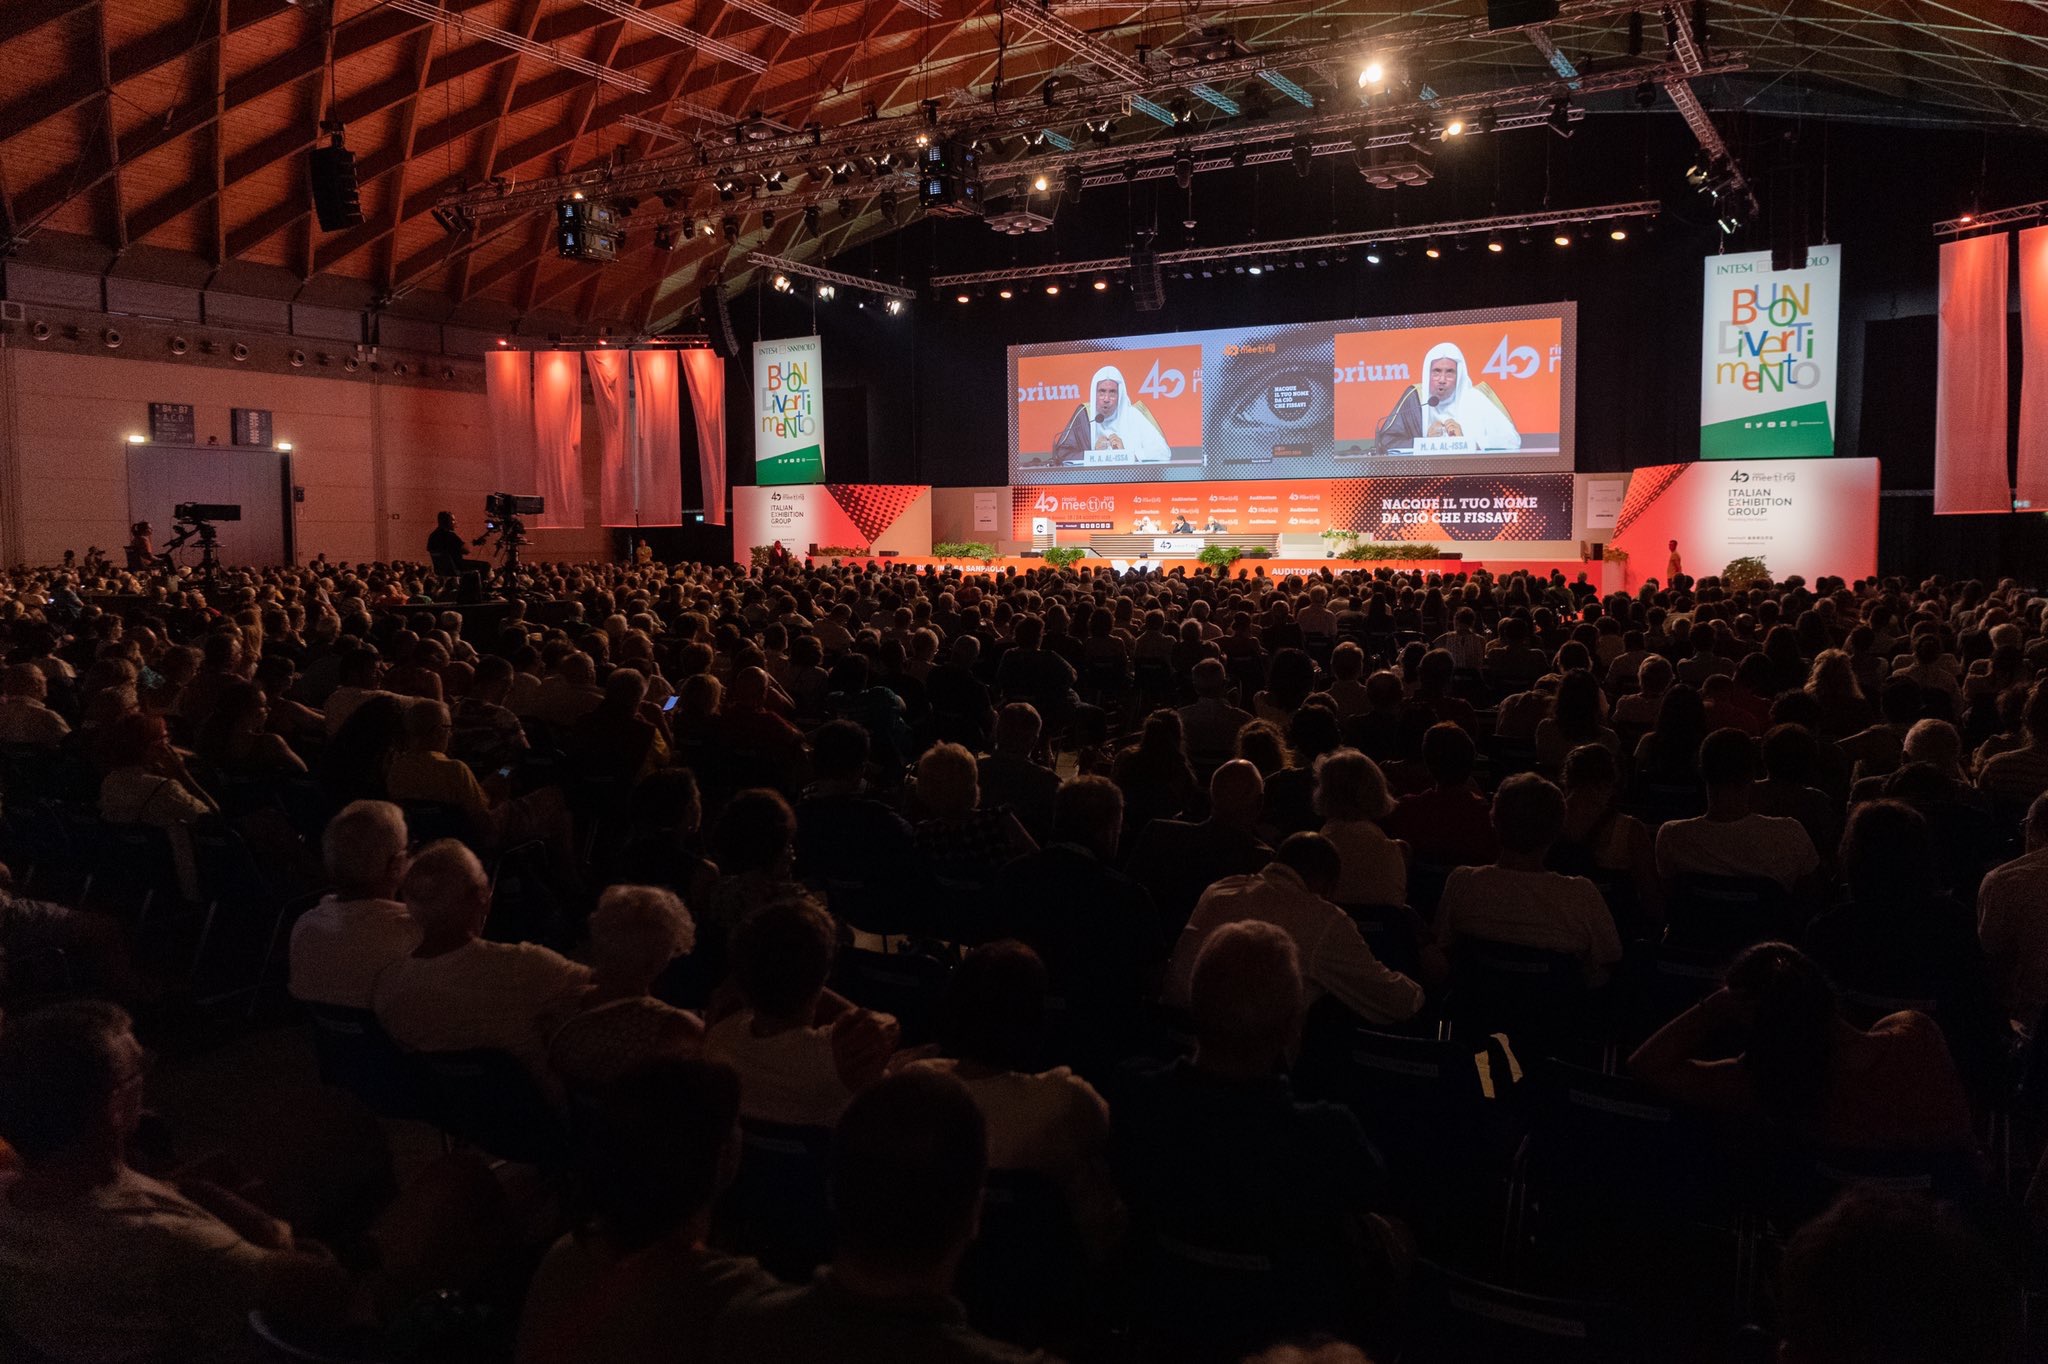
{"x":1219,"y":557}
{"x":1370,"y":552}
{"x":979,"y":550}
{"x":1745,"y":572}
{"x":1340,"y":541}
{"x":1062,"y":556}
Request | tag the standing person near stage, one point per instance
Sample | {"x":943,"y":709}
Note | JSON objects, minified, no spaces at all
{"x":1673,"y":566}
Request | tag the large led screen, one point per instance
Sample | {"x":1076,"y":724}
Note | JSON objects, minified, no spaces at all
{"x":1488,"y":391}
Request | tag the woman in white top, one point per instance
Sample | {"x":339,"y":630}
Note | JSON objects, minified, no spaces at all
{"x":794,"y":1067}
{"x":1050,"y":1122}
{"x":635,"y":932}
{"x":1351,"y":796}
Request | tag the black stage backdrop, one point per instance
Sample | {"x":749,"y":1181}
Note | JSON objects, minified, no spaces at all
{"x":930,"y":383}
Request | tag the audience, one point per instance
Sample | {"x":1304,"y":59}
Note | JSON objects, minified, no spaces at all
{"x":1865,"y":750}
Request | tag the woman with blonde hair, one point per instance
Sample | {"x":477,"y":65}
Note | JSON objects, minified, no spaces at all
{"x":1844,"y":709}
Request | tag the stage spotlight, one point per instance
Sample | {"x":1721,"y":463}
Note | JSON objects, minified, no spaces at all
{"x":1372,"y":257}
{"x":664,"y":240}
{"x":1496,"y":246}
{"x":1646,"y":93}
{"x":1455,"y":128}
{"x":1237,"y":158}
{"x":767,"y":220}
{"x":1100,"y":285}
{"x":960,"y":298}
{"x":1184,"y":170}
{"x":828,"y":292}
{"x":1005,"y":293}
{"x":1072,"y":182}
{"x":811,"y":219}
{"x":1181,"y":112}
{"x":782,"y":285}
{"x":1040,"y":184}
{"x":1304,"y":156}
{"x":1373,"y":75}
{"x":1619,"y":234}
{"x":846,"y":210}
{"x":1254,"y":270}
{"x":1432,"y":252}
{"x":1562,"y":239}
{"x":1130,"y":171}
{"x":1487,"y":121}
{"x":1052,"y":290}
{"x":888,"y":202}
{"x":730,"y":225}
{"x":895,"y":307}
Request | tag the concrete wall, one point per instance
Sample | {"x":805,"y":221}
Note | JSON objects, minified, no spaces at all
{"x":377,"y":456}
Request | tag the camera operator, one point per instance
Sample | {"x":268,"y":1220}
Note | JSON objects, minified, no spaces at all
{"x":447,"y":551}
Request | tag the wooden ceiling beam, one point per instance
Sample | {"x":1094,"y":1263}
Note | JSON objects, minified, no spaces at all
{"x":116,"y":209}
{"x":20,"y":17}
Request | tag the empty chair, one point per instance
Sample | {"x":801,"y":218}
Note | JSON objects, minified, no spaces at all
{"x":1726,"y":913}
{"x":1538,"y":998}
{"x":778,"y":1207}
{"x":489,"y":1100}
{"x":356,"y":1054}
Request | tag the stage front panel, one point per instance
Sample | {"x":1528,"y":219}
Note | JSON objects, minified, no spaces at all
{"x":1812,"y":517}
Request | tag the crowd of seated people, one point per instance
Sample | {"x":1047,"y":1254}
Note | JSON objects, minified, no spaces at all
{"x":862,"y":963}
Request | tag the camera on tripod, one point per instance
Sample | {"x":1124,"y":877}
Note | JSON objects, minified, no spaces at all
{"x":500,"y":506}
{"x":207,"y":511}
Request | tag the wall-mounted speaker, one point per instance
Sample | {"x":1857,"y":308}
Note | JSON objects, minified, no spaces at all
{"x":179,"y":345}
{"x":238,"y":352}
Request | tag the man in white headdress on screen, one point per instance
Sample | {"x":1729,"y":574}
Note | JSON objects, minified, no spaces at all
{"x":1111,"y":428}
{"x":1455,"y":406}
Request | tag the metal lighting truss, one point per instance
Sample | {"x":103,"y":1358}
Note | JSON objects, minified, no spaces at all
{"x":526,"y":47}
{"x":928,"y":8}
{"x":1997,"y":217}
{"x":683,"y":169}
{"x":819,"y":273}
{"x":1081,"y":43}
{"x":1693,"y":62}
{"x":1240,"y":252}
{"x":668,"y":28}
{"x":649,"y":126}
{"x":1387,"y":123}
{"x":790,"y":23}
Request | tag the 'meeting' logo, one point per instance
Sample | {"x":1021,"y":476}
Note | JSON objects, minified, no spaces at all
{"x":1739,"y":476}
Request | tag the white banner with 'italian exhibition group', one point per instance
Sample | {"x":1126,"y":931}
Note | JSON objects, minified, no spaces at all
{"x":789,"y":411}
{"x":1770,"y":354}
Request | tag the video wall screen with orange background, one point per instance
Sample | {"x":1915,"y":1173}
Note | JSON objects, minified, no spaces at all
{"x":1488,"y":391}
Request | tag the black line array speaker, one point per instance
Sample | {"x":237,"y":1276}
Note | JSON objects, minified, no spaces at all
{"x":1791,"y":226}
{"x":1148,"y":289}
{"x":718,"y":322}
{"x":1517,"y":13}
{"x":332,"y":173}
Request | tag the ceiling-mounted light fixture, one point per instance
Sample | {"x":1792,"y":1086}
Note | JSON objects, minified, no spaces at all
{"x":1184,"y":168}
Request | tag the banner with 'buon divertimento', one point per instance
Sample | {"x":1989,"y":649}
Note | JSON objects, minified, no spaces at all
{"x":1770,"y":355}
{"x":789,"y":411}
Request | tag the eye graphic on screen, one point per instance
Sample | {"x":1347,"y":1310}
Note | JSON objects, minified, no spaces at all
{"x":1288,"y":396}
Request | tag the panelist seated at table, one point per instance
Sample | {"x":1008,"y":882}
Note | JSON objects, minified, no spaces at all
{"x":1214,"y":527}
{"x":1112,"y":428}
{"x":1181,"y":525}
{"x":1147,"y":524}
{"x":1447,"y":404}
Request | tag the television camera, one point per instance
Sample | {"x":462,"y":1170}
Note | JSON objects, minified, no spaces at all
{"x":503,"y":513}
{"x":195,"y":521}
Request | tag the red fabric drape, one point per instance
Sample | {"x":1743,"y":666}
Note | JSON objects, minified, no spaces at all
{"x":1969,"y":423}
{"x":508,"y":392}
{"x":657,"y":430}
{"x":617,"y":494}
{"x":2030,"y":484}
{"x":705,"y":372}
{"x":558,"y":438}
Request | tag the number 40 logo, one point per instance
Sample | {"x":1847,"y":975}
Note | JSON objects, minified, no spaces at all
{"x":1519,"y":363}
{"x":1163,"y":383}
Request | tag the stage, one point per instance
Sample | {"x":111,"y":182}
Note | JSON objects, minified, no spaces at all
{"x":1271,"y":568}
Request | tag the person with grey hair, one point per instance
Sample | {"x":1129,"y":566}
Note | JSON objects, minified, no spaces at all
{"x":2012,"y":923}
{"x":459,"y":992}
{"x":635,"y":933}
{"x":1010,"y":775}
{"x":1214,"y":1152}
{"x":1351,"y":796}
{"x":1292,"y":893}
{"x":341,"y":945}
{"x":24,"y":717}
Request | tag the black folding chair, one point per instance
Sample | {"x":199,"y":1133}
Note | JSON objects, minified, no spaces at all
{"x":778,"y":1207}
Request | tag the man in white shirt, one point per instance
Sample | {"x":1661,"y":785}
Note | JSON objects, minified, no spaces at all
{"x":341,"y":945}
{"x":457,"y":992}
{"x":101,"y":1262}
{"x":1292,"y":893}
{"x":1211,"y":723}
{"x":359,"y":674}
{"x":24,"y":718}
{"x":1465,"y":645}
{"x":1518,"y":900}
{"x":1731,"y":839}
{"x":2012,"y":924}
